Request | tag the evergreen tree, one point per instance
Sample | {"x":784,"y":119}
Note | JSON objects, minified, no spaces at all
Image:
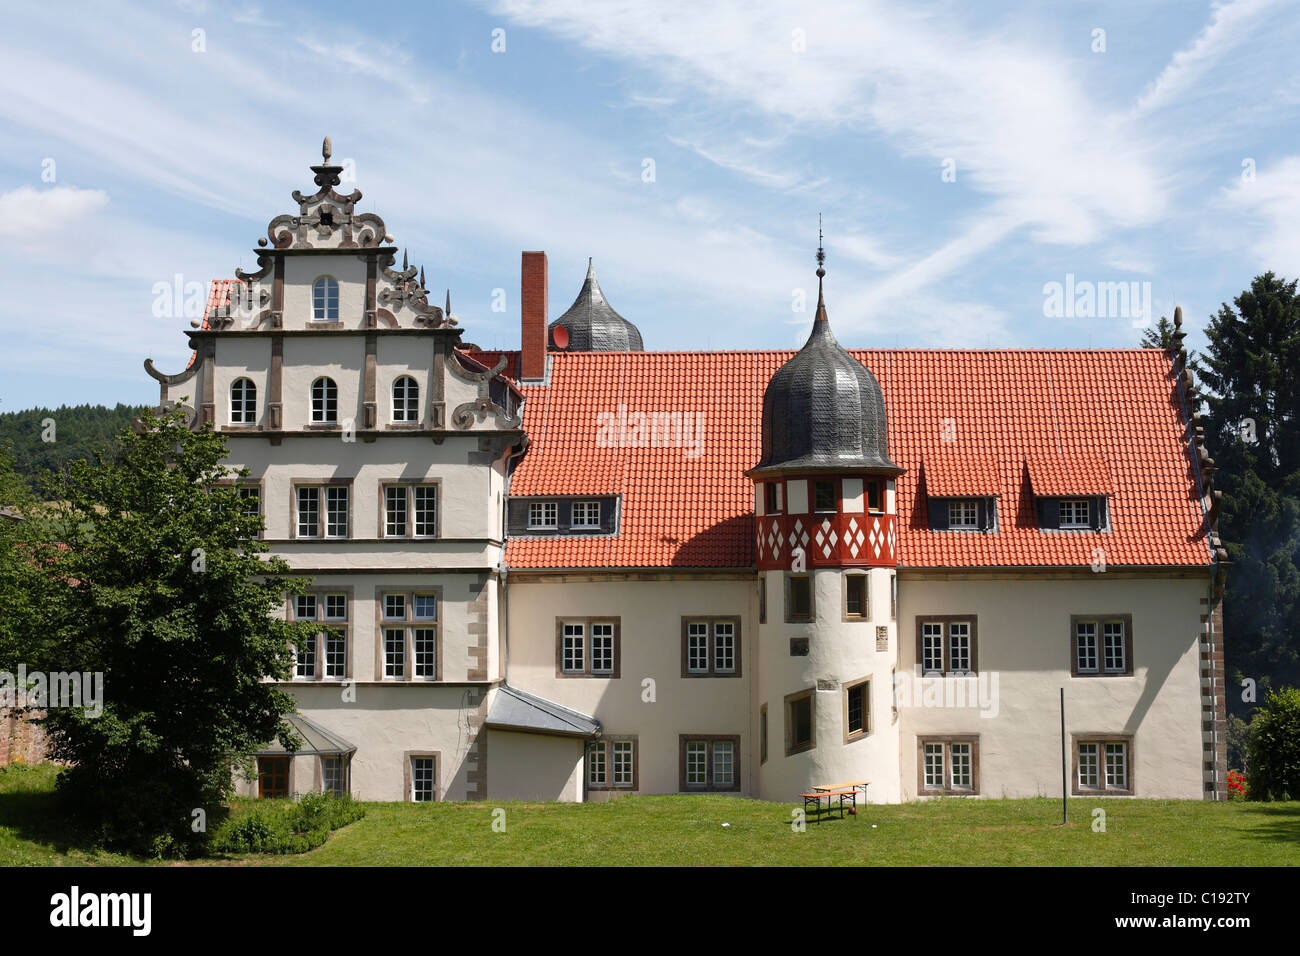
{"x":1252,"y":367}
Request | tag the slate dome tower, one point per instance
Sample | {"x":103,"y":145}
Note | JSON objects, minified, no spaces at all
{"x":592,"y":325}
{"x":827,"y":545}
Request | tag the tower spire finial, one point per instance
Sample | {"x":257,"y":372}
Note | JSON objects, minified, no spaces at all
{"x":821,"y":271}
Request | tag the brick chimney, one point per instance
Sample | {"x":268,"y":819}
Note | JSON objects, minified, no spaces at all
{"x":532,"y":311}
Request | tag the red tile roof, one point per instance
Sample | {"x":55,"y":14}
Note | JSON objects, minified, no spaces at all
{"x":218,"y":297}
{"x":950,"y":473}
{"x":1007,"y":408}
{"x":1054,"y":475}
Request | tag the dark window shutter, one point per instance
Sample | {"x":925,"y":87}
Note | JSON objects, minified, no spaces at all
{"x":1049,"y":513}
{"x":938,"y":513}
{"x":517,"y":516}
{"x":608,"y":518}
{"x":1098,"y":513}
{"x":985,"y":506}
{"x":564,"y":516}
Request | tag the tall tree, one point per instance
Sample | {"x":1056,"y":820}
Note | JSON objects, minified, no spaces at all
{"x":1158,"y":336}
{"x":167,"y":591}
{"x":1252,"y":367}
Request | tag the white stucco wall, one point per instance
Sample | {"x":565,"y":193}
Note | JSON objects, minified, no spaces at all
{"x":650,"y":614}
{"x":1024,"y":640}
{"x":534,"y":767}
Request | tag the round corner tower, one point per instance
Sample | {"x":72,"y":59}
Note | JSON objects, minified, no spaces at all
{"x":827,"y":545}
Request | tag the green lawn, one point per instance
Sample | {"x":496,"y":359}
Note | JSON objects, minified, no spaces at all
{"x":676,"y":830}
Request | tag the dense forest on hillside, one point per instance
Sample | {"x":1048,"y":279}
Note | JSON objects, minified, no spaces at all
{"x":42,"y":441}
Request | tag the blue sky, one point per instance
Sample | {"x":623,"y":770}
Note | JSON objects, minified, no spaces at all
{"x":1169,"y":157}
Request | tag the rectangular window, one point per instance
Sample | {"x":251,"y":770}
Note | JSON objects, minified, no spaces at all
{"x":423,"y":779}
{"x":587,"y":647}
{"x":932,"y":648}
{"x":1101,"y":646}
{"x":395,"y":511}
{"x":306,"y":666}
{"x":585,"y":514}
{"x":250,"y":497}
{"x":947,"y":644}
{"x":724,"y":647}
{"x":394,"y":653}
{"x":272,"y":776}
{"x":857,"y":701}
{"x":1103,"y":765}
{"x":326,"y":654}
{"x":611,"y":763}
{"x":711,"y":648}
{"x":596,"y":764}
{"x":308,"y":512}
{"x":1113,"y":646}
{"x":575,"y":654}
{"x":602,"y":648}
{"x":799,"y":735}
{"x":1086,"y":646}
{"x":771,"y":500}
{"x":823,"y":496}
{"x":542,"y":514}
{"x":623,"y":763}
{"x":709,"y":762}
{"x":934,"y":764}
{"x":762,"y":734}
{"x":959,"y":647}
{"x":410,"y":627}
{"x":874,"y":496}
{"x":798,"y":598}
{"x":411,"y":511}
{"x":855,"y":597}
{"x":697,"y":763}
{"x":948,"y":765}
{"x":331,"y":775}
{"x":697,"y":647}
{"x":336,"y":511}
{"x":425,"y":505}
{"x":963,"y":514}
{"x":1074,"y":513}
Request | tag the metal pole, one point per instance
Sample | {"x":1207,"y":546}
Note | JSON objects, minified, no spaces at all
{"x":1065,"y":813}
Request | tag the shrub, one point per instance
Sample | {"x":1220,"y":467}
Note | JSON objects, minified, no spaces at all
{"x":282,"y":826}
{"x":1237,"y":789}
{"x":1275,"y":747}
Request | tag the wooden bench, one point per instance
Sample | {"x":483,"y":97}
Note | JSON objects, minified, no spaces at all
{"x":847,"y":785}
{"x":814,"y":800}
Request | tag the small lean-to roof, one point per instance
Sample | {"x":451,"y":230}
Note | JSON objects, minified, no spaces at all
{"x":1055,"y":475}
{"x":518,"y":710}
{"x":952,"y":474}
{"x":315,"y":740}
{"x":686,"y":503}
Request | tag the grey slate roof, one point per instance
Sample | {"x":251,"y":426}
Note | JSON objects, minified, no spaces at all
{"x":824,"y":409}
{"x":514,"y":709}
{"x":315,"y":740}
{"x":593,"y":325}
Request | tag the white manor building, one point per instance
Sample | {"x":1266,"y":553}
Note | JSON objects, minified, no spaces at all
{"x":582,"y":568}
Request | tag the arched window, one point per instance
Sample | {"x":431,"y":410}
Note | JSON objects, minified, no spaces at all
{"x":243,"y":402}
{"x":325,"y":299}
{"x":324,"y":401}
{"x":406,"y":400}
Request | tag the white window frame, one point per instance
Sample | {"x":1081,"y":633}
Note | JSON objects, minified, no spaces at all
{"x":431,"y":778}
{"x":406,"y":400}
{"x":590,"y":514}
{"x":243,"y":401}
{"x":1075,"y":504}
{"x":325,"y":299}
{"x":543,"y":515}
{"x":324,"y":401}
{"x":412,"y":510}
{"x":963,"y":514}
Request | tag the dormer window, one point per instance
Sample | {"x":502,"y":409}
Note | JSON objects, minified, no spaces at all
{"x":325,"y":299}
{"x":963,"y":514}
{"x":824,"y":496}
{"x":586,"y":514}
{"x":543,"y":515}
{"x":1075,"y":513}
